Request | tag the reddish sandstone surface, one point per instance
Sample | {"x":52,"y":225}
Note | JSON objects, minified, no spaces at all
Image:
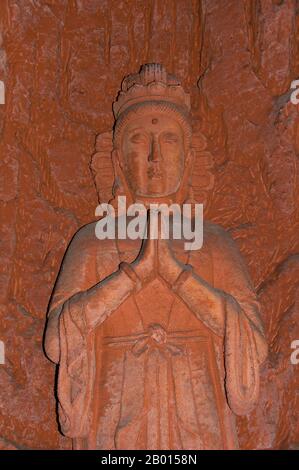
{"x":62,"y":62}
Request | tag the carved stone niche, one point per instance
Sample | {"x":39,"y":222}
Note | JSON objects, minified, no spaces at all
{"x":158,"y":347}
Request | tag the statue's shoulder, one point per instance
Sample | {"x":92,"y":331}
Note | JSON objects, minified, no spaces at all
{"x":85,"y":240}
{"x":216,"y":236}
{"x":222,"y":245}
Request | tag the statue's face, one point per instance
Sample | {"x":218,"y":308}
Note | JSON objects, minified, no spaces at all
{"x":153,"y":155}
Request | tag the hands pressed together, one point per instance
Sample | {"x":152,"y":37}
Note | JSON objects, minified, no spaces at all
{"x":156,"y":258}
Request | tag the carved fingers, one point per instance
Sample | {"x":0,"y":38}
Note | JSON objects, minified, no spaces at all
{"x":169,"y":267}
{"x":145,"y":264}
{"x":156,"y":257}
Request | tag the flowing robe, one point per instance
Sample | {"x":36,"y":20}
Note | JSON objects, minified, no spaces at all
{"x":157,"y":372}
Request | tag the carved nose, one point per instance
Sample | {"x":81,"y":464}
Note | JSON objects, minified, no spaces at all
{"x":154,"y":155}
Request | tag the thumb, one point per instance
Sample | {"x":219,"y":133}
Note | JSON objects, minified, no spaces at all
{"x":163,"y":240}
{"x":149,"y":245}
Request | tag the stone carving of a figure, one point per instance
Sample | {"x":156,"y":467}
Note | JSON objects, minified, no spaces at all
{"x":158,"y":347}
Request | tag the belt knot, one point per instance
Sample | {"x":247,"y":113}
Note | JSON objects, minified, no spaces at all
{"x":155,"y":338}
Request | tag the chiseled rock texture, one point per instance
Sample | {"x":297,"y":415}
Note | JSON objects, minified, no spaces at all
{"x":62,"y":62}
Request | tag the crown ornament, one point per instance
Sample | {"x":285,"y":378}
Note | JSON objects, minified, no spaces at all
{"x":151,"y":84}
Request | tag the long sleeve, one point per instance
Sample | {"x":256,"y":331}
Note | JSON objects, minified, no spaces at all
{"x":230,"y":309}
{"x":80,"y":303}
{"x":77,"y":273}
{"x":66,"y":340}
{"x":77,"y":324}
{"x":245,"y":346}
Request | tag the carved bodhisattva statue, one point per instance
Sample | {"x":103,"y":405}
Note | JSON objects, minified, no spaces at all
{"x":158,"y":347}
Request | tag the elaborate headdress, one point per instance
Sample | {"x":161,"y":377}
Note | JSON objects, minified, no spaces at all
{"x":152,"y":88}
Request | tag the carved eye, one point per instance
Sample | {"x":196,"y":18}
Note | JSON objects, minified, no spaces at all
{"x":170,"y":137}
{"x":138,"y":138}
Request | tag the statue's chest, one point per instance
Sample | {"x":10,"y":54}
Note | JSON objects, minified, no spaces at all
{"x":156,"y":303}
{"x":154,"y":306}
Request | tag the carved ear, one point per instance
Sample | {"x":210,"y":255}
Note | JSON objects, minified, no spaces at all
{"x":184,"y":194}
{"x":102,"y":168}
{"x":202,"y":180}
{"x":190,"y":158}
{"x":119,"y":177}
{"x":120,"y":186}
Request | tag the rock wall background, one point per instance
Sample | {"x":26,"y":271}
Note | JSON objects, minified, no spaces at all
{"x":62,"y":63}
